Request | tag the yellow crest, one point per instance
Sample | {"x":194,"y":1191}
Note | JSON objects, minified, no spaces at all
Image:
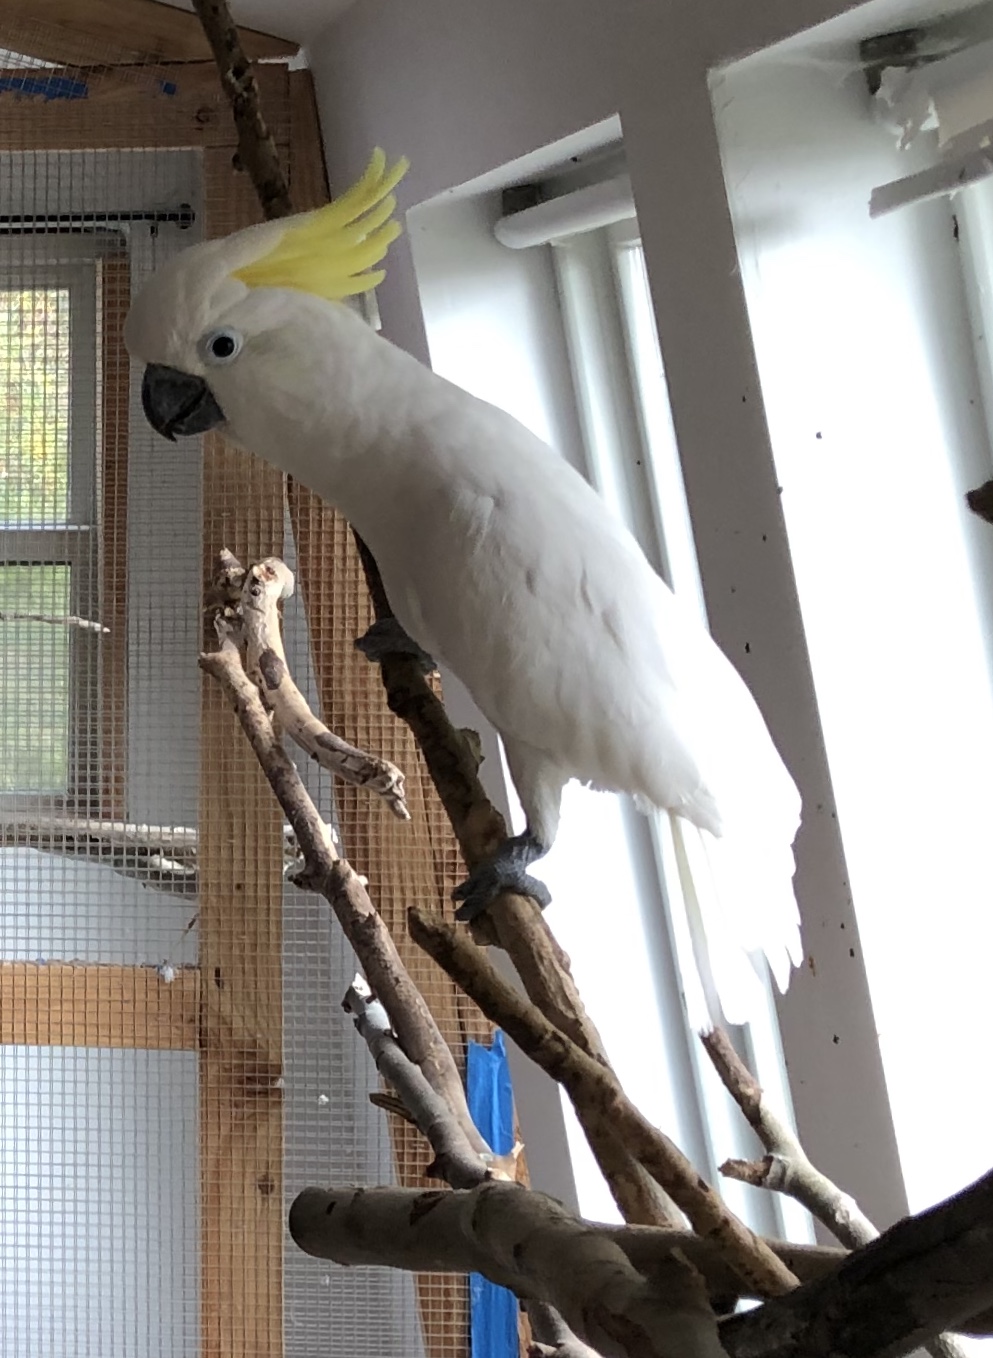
{"x":330,"y":252}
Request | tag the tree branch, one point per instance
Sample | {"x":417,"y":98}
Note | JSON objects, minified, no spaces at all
{"x":787,"y":1168}
{"x":926,"y":1274}
{"x":524,"y":1241}
{"x":456,"y":1161}
{"x":257,"y":153}
{"x":264,"y":586}
{"x":594,"y":1089}
{"x":335,"y":880}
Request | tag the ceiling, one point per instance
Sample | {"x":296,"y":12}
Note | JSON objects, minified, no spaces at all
{"x":298,"y":20}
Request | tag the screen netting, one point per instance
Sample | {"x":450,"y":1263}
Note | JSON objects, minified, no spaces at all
{"x":175,"y":1063}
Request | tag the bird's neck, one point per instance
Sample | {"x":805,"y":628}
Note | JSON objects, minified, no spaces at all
{"x":347,"y":419}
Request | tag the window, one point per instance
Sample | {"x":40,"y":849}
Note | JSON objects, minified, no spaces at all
{"x":633,"y":460}
{"x":49,"y":520}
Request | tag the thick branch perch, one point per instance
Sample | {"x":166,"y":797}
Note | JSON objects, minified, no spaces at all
{"x":334,"y":879}
{"x":926,"y":1274}
{"x":595,"y":1089}
{"x":524,"y":1241}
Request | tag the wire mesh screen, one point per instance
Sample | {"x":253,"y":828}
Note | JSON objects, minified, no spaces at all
{"x":175,"y":1065}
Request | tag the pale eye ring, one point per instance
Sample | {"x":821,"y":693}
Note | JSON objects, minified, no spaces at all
{"x":221,"y":346}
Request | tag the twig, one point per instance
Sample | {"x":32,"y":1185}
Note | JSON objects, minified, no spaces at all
{"x":926,"y":1274}
{"x":455,"y":1159}
{"x":264,"y":586}
{"x":334,"y":879}
{"x":595,"y":1089}
{"x":524,"y":1241}
{"x":61,"y":620}
{"x":787,"y":1167}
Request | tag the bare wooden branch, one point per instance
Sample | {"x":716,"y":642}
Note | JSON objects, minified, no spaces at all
{"x":264,"y":585}
{"x":524,"y":1241}
{"x":787,"y":1168}
{"x":455,"y":1159}
{"x":595,"y":1089}
{"x":256,"y":148}
{"x":926,"y":1274}
{"x":334,"y":879}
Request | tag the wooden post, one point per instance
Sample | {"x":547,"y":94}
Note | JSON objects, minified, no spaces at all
{"x":240,"y":927}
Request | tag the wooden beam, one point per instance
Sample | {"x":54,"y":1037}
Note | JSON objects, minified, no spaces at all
{"x":156,"y":106}
{"x":240,"y":862}
{"x":72,"y":1004}
{"x":79,"y":32}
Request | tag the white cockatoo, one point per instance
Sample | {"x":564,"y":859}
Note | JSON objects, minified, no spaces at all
{"x":498,"y":559}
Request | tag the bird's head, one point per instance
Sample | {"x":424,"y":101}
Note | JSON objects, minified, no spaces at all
{"x":216,"y":307}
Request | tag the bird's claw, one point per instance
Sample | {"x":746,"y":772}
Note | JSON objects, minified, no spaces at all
{"x":386,"y":637}
{"x":507,"y":871}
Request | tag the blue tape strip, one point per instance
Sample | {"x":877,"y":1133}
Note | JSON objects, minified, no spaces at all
{"x":48,"y":86}
{"x":492,"y":1310}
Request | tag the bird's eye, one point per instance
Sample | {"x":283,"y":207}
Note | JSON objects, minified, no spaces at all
{"x":221,"y":346}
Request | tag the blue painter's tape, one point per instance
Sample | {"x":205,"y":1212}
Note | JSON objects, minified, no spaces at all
{"x":168,"y":86}
{"x":47,"y":86}
{"x":492,"y":1309}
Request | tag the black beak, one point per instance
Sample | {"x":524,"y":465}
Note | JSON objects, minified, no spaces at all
{"x":175,"y":402}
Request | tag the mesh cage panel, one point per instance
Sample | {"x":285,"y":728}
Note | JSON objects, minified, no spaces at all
{"x":175,"y":1064}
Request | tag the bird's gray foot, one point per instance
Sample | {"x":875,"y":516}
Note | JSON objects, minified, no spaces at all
{"x":506,"y":871}
{"x":386,"y":637}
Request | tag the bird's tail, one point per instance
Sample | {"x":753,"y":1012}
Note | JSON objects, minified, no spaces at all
{"x":740,"y":921}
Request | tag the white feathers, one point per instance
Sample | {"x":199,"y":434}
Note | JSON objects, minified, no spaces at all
{"x":504,"y":564}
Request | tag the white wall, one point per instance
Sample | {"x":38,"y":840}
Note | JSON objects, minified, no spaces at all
{"x":464,"y":90}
